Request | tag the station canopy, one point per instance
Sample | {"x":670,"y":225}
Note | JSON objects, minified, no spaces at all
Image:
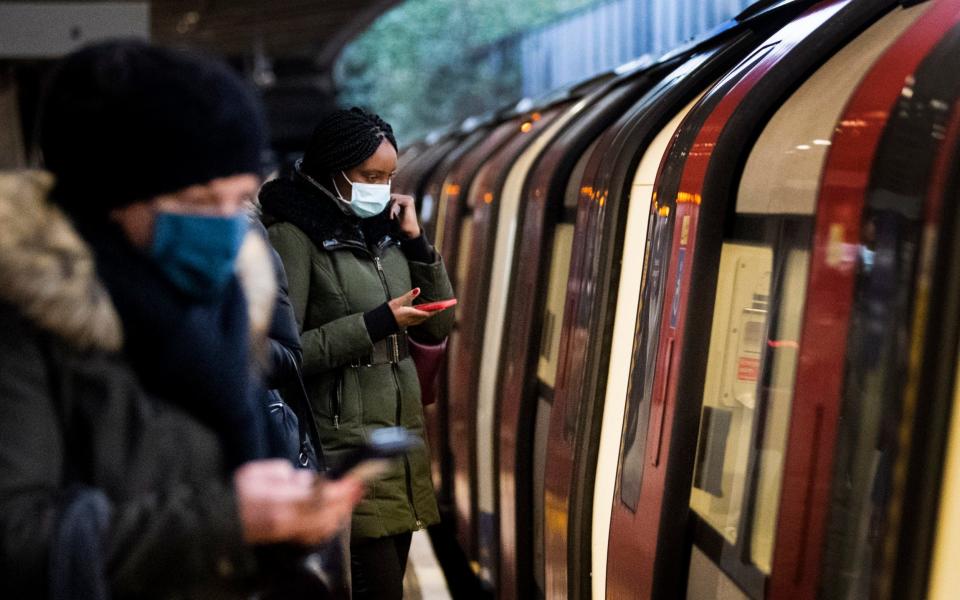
{"x":282,"y":29}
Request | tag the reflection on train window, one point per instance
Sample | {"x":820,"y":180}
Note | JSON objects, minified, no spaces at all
{"x":644,"y":358}
{"x":875,"y":384}
{"x":748,"y":388}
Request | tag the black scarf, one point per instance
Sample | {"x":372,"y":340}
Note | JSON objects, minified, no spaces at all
{"x":297,"y":202}
{"x":194,"y":355}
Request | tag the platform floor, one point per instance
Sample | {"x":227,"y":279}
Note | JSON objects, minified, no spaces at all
{"x":424,"y":579}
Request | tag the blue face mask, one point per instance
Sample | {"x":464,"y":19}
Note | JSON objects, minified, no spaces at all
{"x":197,"y":253}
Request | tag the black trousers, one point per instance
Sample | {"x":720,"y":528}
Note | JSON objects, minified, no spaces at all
{"x":377,"y":567}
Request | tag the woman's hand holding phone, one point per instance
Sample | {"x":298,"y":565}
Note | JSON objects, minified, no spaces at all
{"x":409,"y":315}
{"x":405,"y":314}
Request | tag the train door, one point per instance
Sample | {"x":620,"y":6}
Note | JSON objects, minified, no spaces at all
{"x":634,"y":260}
{"x":503,"y":422}
{"x":927,"y":120}
{"x":546,"y":507}
{"x":542,"y":207}
{"x":457,"y":236}
{"x":755,"y":336}
{"x":589,"y":307}
{"x":589,"y":314}
{"x":892,"y":403}
{"x":412,"y":178}
{"x":944,"y":577}
{"x":941,"y":534}
{"x":485,"y":198}
{"x":432,"y":187}
{"x":737,"y":107}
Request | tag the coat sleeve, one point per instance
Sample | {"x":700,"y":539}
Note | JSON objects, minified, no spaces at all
{"x":286,"y":353}
{"x":196,"y":529}
{"x":333,"y":344}
{"x":434,"y":283}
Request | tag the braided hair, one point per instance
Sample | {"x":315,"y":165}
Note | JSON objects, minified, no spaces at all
{"x":344,"y":139}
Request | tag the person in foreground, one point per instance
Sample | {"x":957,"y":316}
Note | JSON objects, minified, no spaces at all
{"x":134,"y":309}
{"x":356,"y":259}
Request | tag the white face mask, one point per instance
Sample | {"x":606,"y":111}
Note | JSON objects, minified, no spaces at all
{"x":363,"y":202}
{"x":367,"y":199}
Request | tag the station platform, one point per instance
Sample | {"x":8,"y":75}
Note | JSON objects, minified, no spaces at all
{"x":424,"y":579}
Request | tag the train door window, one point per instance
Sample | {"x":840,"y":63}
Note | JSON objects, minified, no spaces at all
{"x":449,"y":199}
{"x":729,"y":401}
{"x":757,"y":319}
{"x":463,"y":251}
{"x":549,"y":362}
{"x":559,"y":272}
{"x":553,"y":311}
{"x":656,"y":259}
{"x":783,"y":353}
{"x":748,"y":390}
{"x":462,"y":270}
{"x":546,"y":376}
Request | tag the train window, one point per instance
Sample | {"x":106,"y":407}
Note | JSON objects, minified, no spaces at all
{"x":748,"y":391}
{"x":553,"y":312}
{"x":748,"y":388}
{"x":463,"y":251}
{"x":773,"y":442}
{"x":729,"y":400}
{"x":559,"y":272}
{"x":543,"y":507}
{"x":660,"y":234}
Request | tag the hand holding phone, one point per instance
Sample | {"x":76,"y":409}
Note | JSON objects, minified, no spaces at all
{"x":436,"y":306}
{"x":372,"y":459}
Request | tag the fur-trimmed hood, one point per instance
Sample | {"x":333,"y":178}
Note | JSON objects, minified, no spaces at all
{"x":48,"y":271}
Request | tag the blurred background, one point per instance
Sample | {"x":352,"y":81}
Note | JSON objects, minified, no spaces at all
{"x":424,"y":65}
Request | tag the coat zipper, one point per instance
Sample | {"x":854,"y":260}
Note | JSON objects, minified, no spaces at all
{"x":396,"y":382}
{"x":338,"y":407}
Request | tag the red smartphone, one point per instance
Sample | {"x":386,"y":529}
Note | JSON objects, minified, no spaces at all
{"x":432,"y":306}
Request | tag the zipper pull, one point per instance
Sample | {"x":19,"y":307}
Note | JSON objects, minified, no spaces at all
{"x":376,"y":261}
{"x":336,"y":422}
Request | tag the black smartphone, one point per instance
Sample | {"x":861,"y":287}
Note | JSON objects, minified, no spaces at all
{"x":370,"y":460}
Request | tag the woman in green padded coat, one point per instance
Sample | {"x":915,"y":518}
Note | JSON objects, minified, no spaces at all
{"x":357,"y":260}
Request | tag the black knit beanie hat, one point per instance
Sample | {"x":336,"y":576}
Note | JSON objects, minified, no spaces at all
{"x":124,"y":121}
{"x":342,"y":140}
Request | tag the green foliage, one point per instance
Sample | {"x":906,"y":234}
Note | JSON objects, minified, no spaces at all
{"x":422,"y":66}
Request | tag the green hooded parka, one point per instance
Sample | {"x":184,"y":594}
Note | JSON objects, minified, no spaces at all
{"x":340,"y":267}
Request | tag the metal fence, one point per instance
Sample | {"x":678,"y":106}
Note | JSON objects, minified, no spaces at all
{"x":604,"y":36}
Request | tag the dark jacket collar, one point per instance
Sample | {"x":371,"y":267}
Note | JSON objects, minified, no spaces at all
{"x":292,"y":201}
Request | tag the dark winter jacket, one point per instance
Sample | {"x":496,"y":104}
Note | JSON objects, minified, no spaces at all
{"x":341,"y":271}
{"x":286,"y":353}
{"x":283,"y":367}
{"x":74,"y":413}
